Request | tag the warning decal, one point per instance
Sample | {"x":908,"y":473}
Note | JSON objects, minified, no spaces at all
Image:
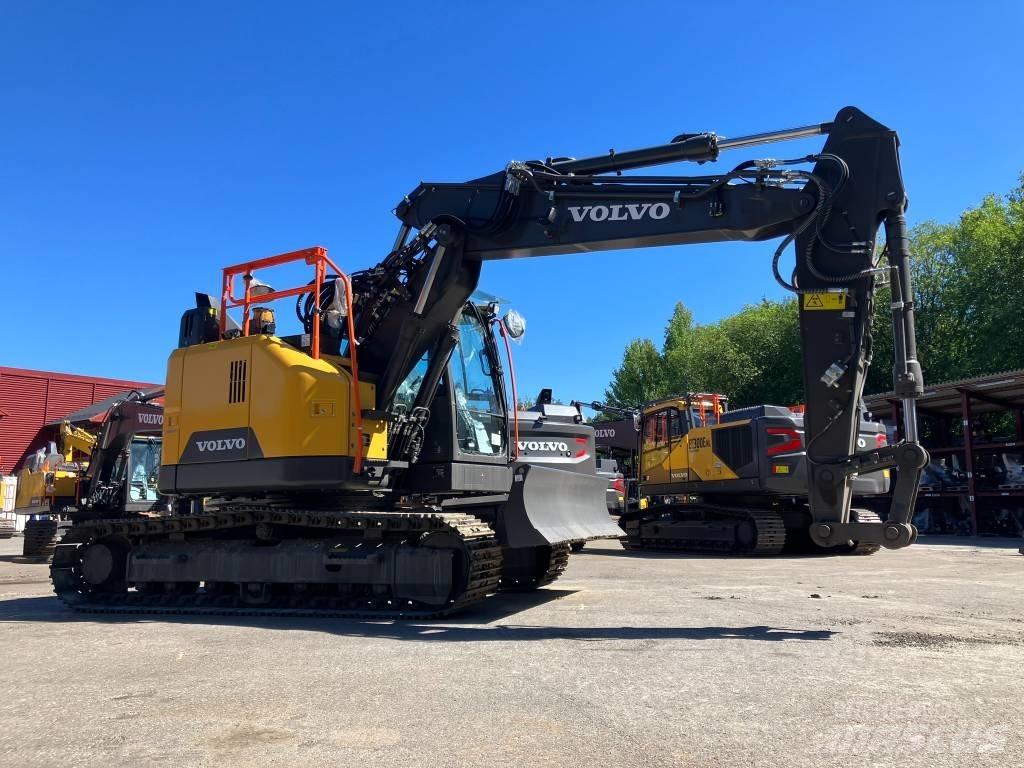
{"x":825,"y":300}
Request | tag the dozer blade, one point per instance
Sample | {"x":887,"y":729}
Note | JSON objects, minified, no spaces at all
{"x":554,"y":506}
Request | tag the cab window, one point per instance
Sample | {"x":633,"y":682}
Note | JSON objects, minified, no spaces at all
{"x":410,"y":387}
{"x":649,"y":432}
{"x":677,"y":424}
{"x":659,"y":429}
{"x":480,"y":423}
{"x":695,"y":416}
{"x":145,"y":467}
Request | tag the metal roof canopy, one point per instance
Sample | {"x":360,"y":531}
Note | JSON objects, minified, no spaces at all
{"x":989,"y":394}
{"x":962,"y":401}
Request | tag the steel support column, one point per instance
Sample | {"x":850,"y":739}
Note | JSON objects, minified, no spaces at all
{"x":968,"y":422}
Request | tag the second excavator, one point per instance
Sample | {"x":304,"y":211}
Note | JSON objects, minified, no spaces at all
{"x":712,"y":479}
{"x":366,"y":465}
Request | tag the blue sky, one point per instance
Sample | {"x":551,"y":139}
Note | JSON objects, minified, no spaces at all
{"x":145,"y":146}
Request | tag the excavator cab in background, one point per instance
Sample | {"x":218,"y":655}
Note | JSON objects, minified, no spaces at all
{"x":337,"y":485}
{"x":124,"y":466}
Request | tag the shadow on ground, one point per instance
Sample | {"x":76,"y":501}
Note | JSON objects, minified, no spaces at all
{"x":473,"y":626}
{"x":980,"y":542}
{"x":669,"y":554}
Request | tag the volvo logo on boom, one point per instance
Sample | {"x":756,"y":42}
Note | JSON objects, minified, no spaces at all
{"x":625,"y":212}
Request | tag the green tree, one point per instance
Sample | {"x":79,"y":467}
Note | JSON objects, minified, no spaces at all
{"x":766,"y":338}
{"x":640,"y":378}
{"x":752,"y":356}
{"x":678,"y":352}
{"x":968,"y":288}
{"x":986,"y":255}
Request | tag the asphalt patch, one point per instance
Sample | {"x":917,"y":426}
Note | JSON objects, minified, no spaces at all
{"x":939,"y":640}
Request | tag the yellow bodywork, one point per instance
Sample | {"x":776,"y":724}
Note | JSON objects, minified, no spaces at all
{"x":295,"y":405}
{"x":38,"y":488}
{"x":670,"y":456}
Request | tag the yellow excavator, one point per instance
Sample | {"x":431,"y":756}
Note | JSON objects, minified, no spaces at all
{"x":49,"y":487}
{"x":368,"y":465}
{"x":48,"y":482}
{"x":712,"y":479}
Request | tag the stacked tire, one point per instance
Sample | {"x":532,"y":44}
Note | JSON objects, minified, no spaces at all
{"x":40,"y":539}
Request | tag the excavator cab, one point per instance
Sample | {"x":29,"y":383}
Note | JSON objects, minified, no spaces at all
{"x":466,"y":440}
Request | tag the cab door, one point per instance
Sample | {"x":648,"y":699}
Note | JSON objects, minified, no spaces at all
{"x":679,"y":457}
{"x":656,"y":448}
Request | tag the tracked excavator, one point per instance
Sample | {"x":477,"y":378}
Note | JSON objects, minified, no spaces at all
{"x":367,"y":465}
{"x":711,"y":479}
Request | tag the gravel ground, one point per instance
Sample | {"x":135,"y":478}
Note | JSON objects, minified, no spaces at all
{"x":911,"y":658}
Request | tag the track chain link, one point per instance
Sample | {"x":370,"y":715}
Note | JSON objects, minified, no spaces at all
{"x":558,"y":559}
{"x":863,"y":516}
{"x":771,"y":536}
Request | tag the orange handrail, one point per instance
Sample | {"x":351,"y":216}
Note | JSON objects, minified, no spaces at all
{"x":317,"y":257}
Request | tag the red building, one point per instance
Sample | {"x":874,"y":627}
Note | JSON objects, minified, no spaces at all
{"x":31,"y":400}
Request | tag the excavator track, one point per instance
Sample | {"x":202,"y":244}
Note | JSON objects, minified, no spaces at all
{"x":769,"y":539}
{"x":482,"y":558}
{"x":862,"y":516}
{"x":771,"y":536}
{"x":541,"y":572}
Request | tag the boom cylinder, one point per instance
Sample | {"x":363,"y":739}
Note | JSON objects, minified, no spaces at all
{"x":773,"y":136}
{"x":700,"y":147}
{"x":697,"y":147}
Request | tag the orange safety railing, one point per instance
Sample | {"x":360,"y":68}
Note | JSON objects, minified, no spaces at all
{"x":318,"y":259}
{"x":717,"y":405}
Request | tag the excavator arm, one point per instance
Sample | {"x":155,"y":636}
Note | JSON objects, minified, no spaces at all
{"x":829,"y":205}
{"x":74,"y":438}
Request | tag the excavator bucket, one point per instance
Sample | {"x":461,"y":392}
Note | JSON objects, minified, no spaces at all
{"x":554,"y":506}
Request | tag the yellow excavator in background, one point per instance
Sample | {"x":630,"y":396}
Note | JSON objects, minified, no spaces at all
{"x":711,"y":479}
{"x":48,"y":482}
